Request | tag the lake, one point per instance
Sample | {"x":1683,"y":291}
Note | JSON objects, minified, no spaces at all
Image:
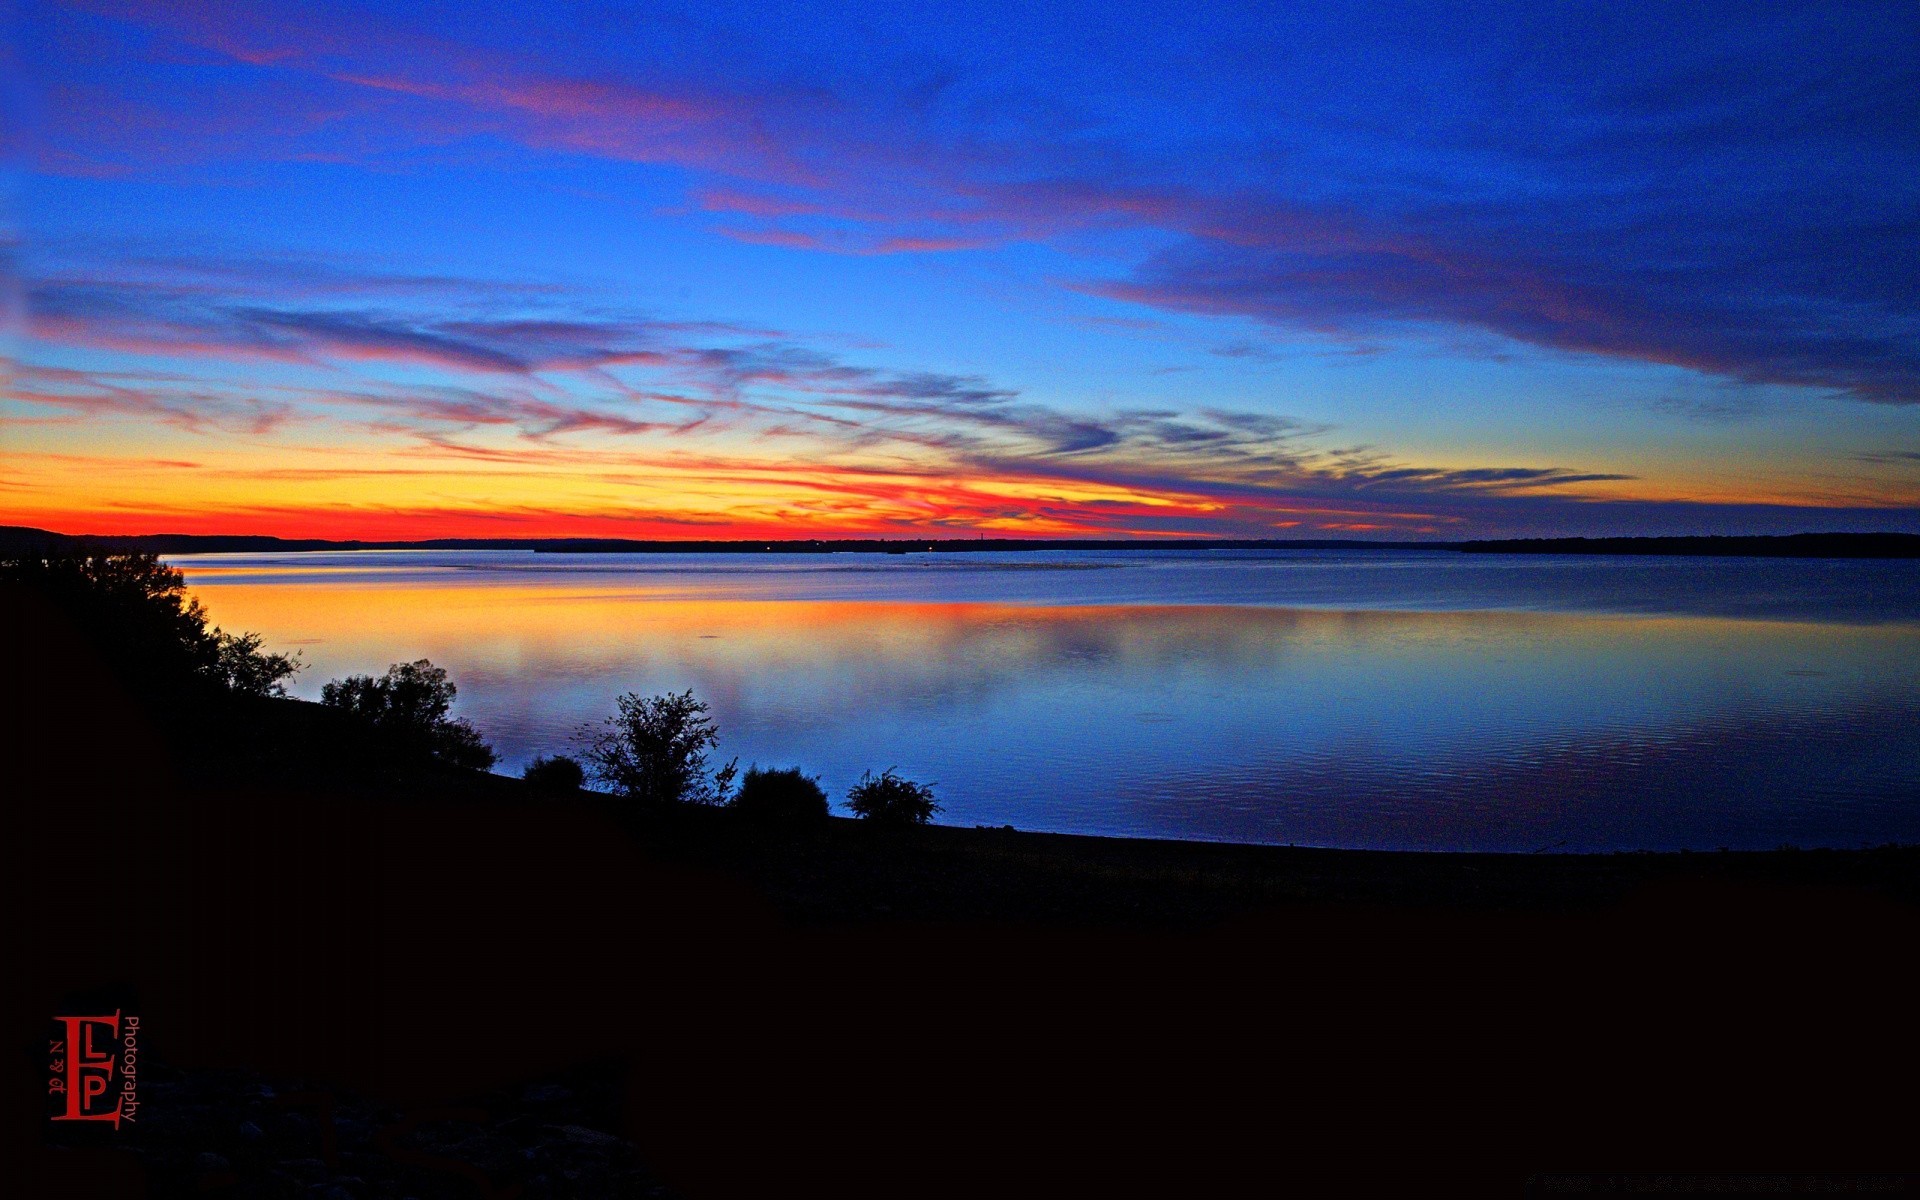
{"x":1383,"y":699}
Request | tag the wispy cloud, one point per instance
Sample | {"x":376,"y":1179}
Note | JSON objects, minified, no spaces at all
{"x":724,"y":412}
{"x":1587,"y":302}
{"x":54,"y":395}
{"x":843,"y":242}
{"x":1680,"y":210}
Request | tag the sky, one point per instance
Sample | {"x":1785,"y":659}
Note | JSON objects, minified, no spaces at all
{"x":805,"y":270}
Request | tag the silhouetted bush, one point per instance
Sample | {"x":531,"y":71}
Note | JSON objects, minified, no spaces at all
{"x":557,"y":774}
{"x":655,"y":750}
{"x":409,"y":705}
{"x":135,"y":609}
{"x":240,"y":664}
{"x":887,"y":799}
{"x":781,"y":794}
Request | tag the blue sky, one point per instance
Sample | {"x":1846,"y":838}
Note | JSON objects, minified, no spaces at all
{"x":1411,"y":270}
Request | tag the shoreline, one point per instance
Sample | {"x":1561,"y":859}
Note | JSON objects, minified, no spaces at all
{"x":842,"y":870}
{"x":1887,"y":545}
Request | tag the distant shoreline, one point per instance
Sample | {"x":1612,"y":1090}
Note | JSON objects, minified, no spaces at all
{"x":20,"y":539}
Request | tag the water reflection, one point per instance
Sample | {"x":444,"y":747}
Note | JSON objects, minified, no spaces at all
{"x":1456,"y":729}
{"x":1424,"y":581}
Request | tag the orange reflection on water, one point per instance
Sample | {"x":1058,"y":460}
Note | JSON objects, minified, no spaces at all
{"x":586,"y":627}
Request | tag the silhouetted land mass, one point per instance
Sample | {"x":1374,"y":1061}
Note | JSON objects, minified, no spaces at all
{"x":21,"y":539}
{"x":1796,"y":545}
{"x":962,"y":545}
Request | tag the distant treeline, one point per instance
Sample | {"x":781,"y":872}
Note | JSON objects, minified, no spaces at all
{"x":18,"y":539}
{"x":1797,"y":545}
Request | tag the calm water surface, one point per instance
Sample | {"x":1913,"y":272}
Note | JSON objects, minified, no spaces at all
{"x":1383,"y":699}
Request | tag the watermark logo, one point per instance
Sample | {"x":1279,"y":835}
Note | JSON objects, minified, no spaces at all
{"x":93,"y":1068}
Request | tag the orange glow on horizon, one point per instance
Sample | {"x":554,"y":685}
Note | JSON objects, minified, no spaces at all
{"x":358,"y":494}
{"x":164,"y":480}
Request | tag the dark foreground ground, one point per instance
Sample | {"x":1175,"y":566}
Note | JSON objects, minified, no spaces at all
{"x":363,"y":978}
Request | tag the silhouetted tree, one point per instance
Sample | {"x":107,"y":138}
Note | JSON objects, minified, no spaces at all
{"x":558,"y":774}
{"x":243,"y":667}
{"x":136,"y":609}
{"x":655,"y":749}
{"x":887,"y":799}
{"x":409,"y":705}
{"x":781,"y":794}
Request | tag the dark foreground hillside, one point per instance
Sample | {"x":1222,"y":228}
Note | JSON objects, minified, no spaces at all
{"x":359,"y":976}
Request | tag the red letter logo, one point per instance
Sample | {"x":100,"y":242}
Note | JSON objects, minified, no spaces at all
{"x":91,"y":1043}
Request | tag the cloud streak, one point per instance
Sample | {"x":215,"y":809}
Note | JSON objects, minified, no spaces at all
{"x":1643,"y":214}
{"x":713,"y":410}
{"x":1587,"y":303}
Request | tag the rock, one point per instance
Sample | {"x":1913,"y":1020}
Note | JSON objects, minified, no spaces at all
{"x":581,"y":1135}
{"x":519,"y":1129}
{"x":234,"y":1135}
{"x":310,"y":1169}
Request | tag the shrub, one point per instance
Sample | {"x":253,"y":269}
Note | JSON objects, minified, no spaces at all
{"x":781,"y":794}
{"x":136,"y":609}
{"x":655,"y":750}
{"x":241,"y":667}
{"x":887,"y":799}
{"x":558,"y":774}
{"x":409,"y":706}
